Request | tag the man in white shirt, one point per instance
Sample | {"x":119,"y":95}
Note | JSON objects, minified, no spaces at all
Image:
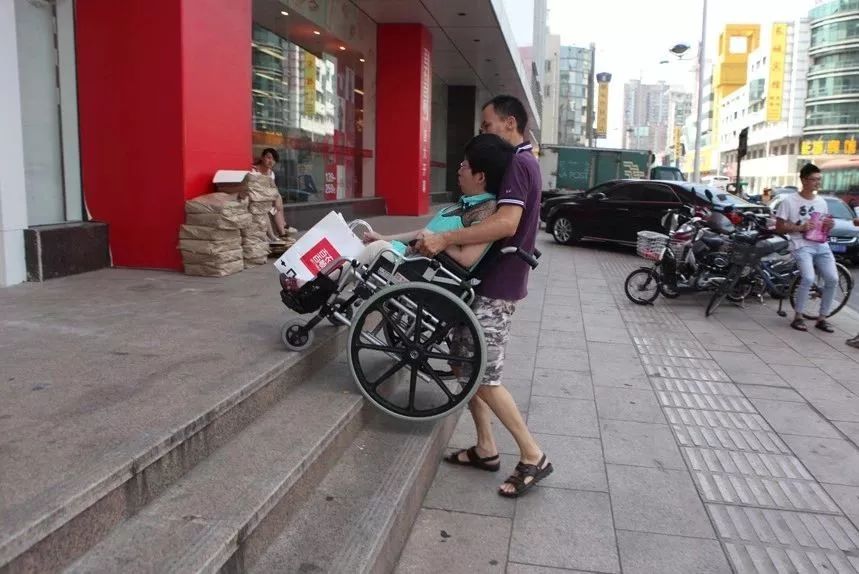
{"x":793,"y":217}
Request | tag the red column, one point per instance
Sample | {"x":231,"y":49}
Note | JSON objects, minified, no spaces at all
{"x":403,"y":108}
{"x":164,"y":100}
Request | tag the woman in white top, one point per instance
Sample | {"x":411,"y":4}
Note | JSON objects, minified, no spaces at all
{"x":265,"y":166}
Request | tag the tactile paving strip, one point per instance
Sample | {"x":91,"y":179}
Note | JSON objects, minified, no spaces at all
{"x":644,"y":331}
{"x":730,"y":431}
{"x":778,"y":493}
{"x":689,"y":350}
{"x":711,"y":402}
{"x":686,"y":373}
{"x":759,"y":540}
{"x":683,"y":362}
{"x":699,"y":387}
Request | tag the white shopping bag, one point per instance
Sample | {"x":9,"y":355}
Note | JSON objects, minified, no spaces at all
{"x":323,"y":243}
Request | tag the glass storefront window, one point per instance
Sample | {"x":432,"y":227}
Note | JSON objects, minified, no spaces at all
{"x":309,"y":107}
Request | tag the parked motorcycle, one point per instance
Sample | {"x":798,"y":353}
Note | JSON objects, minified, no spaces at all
{"x":690,"y":258}
{"x":776,"y":274}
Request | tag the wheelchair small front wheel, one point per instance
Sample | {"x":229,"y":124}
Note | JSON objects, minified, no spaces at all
{"x":295,"y":335}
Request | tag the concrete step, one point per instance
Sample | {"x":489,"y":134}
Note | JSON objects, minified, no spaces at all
{"x":235,"y":499}
{"x":359,"y":517}
{"x":48,"y":532}
{"x":322,"y":438}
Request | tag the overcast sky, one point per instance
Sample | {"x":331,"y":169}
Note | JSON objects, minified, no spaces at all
{"x":632,"y":36}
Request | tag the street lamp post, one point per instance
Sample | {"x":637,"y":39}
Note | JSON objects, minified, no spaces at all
{"x":696,"y":170}
{"x":679,"y":50}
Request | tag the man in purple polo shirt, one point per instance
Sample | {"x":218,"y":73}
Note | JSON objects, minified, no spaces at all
{"x":515,"y":223}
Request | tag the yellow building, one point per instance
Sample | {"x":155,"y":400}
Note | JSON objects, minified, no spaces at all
{"x":730,"y":67}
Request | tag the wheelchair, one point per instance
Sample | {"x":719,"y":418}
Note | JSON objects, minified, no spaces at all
{"x":415,"y":348}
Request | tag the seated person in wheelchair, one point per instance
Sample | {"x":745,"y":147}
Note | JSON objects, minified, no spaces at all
{"x":487,"y":157}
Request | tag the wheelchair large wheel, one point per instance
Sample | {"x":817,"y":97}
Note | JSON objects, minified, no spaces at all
{"x":401,"y":374}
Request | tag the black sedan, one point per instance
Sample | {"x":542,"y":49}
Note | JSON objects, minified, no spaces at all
{"x":617,"y":210}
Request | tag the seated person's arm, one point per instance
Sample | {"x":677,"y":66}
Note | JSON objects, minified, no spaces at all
{"x":467,"y":255}
{"x":500,"y":225}
{"x":371,"y":236}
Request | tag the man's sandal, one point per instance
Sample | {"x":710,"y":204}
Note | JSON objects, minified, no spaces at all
{"x":474,"y":460}
{"x":798,"y":324}
{"x":536,"y":472}
{"x":824,"y":326}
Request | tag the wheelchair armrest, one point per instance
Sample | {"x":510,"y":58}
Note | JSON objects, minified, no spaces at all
{"x":451,"y":265}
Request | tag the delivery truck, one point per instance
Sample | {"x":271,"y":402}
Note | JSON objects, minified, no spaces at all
{"x":567,"y":169}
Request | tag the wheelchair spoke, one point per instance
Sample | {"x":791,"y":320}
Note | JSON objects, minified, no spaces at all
{"x":428,"y":370}
{"x":395,"y":324}
{"x":451,"y":358}
{"x":419,"y":323}
{"x":441,"y":333}
{"x":382,"y":348}
{"x":413,"y":385}
{"x":389,"y":373}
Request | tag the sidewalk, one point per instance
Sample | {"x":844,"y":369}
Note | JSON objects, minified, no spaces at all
{"x":681,"y":444}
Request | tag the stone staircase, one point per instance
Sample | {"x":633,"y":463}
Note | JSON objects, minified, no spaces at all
{"x":294,"y":472}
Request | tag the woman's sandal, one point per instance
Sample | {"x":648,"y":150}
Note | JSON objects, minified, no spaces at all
{"x":798,"y":324}
{"x":474,"y":460}
{"x":824,"y":326}
{"x":537,"y":472}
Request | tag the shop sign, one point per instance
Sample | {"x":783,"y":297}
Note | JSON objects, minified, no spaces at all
{"x":603,"y":80}
{"x":775,"y":86}
{"x":426,"y":120}
{"x":828,"y":147}
{"x":309,"y":83}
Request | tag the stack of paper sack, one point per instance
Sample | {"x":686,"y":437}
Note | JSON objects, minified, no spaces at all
{"x":211,"y":239}
{"x":261,"y":192}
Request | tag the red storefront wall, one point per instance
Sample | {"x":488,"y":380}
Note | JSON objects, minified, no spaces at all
{"x":164,"y":101}
{"x":404,"y":105}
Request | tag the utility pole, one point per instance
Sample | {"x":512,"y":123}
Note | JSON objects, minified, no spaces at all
{"x":742,"y":148}
{"x":590,"y":115}
{"x":696,"y":176}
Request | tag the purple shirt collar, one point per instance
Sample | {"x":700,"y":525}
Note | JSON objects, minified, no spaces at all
{"x":524,"y":146}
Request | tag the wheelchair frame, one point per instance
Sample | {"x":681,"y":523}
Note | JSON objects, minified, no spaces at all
{"x":407,"y":319}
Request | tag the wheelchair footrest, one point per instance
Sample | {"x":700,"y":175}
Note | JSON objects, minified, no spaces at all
{"x":311,"y":296}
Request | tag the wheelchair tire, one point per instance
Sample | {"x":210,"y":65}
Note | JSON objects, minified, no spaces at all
{"x":842,"y":293}
{"x":295,"y":336}
{"x":411,"y":385}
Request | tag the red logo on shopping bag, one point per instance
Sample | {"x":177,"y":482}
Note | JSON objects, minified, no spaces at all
{"x":320,"y":255}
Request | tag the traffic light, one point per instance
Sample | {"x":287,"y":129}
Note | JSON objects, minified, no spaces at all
{"x":742,"y":146}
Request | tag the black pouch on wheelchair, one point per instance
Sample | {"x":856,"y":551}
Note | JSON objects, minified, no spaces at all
{"x":311,"y":296}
